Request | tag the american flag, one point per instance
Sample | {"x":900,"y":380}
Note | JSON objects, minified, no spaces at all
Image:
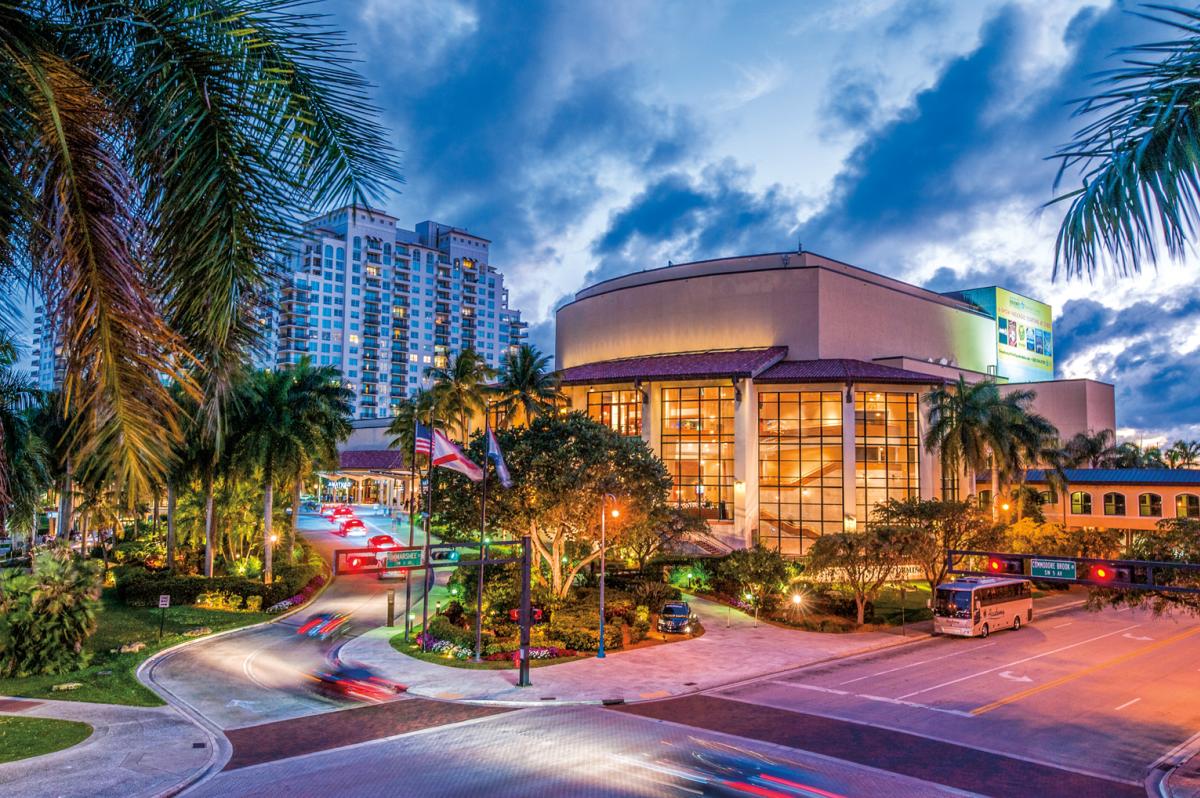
{"x":423,"y":440}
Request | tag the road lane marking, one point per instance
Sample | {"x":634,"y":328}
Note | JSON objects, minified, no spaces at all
{"x":1070,"y":677}
{"x":1012,"y":677}
{"x":1019,"y":661}
{"x":1061,"y":625}
{"x":1136,"y":637}
{"x":868,"y":697}
{"x":1127,"y":704}
{"x":910,"y":665}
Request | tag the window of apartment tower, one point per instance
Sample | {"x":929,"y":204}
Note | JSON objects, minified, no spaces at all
{"x":697,"y":447}
{"x":886,"y":441}
{"x":799,"y":469}
{"x":619,"y":410}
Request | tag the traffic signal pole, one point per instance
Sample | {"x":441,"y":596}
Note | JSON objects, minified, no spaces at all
{"x":526,"y":609}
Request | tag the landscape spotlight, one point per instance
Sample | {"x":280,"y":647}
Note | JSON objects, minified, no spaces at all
{"x":797,"y":599}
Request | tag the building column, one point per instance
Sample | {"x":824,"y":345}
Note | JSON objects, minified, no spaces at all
{"x":849,"y":460}
{"x":929,"y":471}
{"x":745,"y":463}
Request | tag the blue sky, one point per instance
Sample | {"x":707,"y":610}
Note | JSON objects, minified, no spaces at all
{"x":588,"y":139}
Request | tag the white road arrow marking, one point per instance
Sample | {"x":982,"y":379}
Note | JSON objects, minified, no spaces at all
{"x":237,"y":702}
{"x":1136,"y":637}
{"x":1013,"y":677}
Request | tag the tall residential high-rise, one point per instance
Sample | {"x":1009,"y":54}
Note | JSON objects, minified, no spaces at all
{"x":45,"y":363}
{"x":383,"y":304}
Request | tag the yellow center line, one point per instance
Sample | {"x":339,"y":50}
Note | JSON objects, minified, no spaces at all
{"x":1086,"y":671}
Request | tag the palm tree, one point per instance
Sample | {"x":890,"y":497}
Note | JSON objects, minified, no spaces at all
{"x":460,"y":389}
{"x":156,"y":155}
{"x":1090,"y":450}
{"x":527,"y":388}
{"x":1139,"y":159}
{"x":416,"y":408}
{"x":1019,"y":439}
{"x":290,"y":417}
{"x":24,"y":470}
{"x":1182,"y":454}
{"x":958,"y":419}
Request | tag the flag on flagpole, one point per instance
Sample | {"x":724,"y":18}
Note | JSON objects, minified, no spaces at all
{"x":497,"y":457}
{"x":447,"y":455}
{"x":422,"y":440}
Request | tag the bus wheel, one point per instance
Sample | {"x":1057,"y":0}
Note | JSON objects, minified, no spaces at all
{"x":1017,"y":623}
{"x":984,"y":631}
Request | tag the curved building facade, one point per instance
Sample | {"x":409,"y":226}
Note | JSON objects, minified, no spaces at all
{"x":784,"y":391}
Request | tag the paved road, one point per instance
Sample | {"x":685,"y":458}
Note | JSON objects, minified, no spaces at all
{"x":261,"y":675}
{"x":581,"y":751}
{"x":1099,"y":693}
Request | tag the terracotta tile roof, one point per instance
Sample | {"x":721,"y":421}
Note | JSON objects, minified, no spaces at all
{"x":842,"y":370}
{"x":370,"y":459}
{"x":680,"y":366}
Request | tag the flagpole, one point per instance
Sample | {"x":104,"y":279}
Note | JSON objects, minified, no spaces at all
{"x":428,"y":528}
{"x":487,"y":431}
{"x":414,"y":498}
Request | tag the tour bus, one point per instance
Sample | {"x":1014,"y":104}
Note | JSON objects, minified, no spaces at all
{"x":979,"y":605}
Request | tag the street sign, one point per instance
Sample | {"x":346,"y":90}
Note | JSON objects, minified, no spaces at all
{"x":406,"y":558}
{"x":1052,"y":569}
{"x":164,"y":601}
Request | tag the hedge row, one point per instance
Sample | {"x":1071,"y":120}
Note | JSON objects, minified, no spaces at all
{"x":139,"y":587}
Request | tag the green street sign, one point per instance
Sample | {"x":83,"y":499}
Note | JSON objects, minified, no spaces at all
{"x":1052,"y":569}
{"x":407,"y":558}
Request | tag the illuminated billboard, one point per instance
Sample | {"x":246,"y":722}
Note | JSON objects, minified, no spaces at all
{"x":1024,"y":334}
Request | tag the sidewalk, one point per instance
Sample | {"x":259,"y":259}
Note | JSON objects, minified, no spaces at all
{"x":723,"y":654}
{"x":132,"y":751}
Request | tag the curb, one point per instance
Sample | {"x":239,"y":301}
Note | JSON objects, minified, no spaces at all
{"x":219,"y":745}
{"x":1158,"y":780}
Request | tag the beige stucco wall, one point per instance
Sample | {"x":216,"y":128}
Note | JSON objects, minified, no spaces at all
{"x":1072,"y":405}
{"x":1131,"y":519}
{"x":814,"y":306}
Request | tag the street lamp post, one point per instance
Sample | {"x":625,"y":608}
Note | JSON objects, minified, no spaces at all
{"x":603,"y":546}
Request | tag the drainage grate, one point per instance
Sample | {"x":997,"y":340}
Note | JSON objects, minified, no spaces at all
{"x":199,"y":745}
{"x":690,"y":684}
{"x":549,"y":698}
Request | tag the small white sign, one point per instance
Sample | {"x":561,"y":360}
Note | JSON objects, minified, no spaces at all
{"x":164,"y":601}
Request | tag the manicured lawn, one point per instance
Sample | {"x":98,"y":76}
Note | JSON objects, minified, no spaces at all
{"x":22,"y":737}
{"x":410,"y":649}
{"x":887,"y":606}
{"x":109,"y":677}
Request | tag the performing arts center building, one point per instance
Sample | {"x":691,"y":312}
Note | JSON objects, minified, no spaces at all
{"x":785,"y":391}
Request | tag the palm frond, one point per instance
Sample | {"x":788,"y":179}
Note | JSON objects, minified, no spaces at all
{"x":1139,"y":160}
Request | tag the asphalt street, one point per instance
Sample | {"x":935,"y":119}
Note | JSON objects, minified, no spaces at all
{"x":261,"y":675}
{"x":1099,"y":693}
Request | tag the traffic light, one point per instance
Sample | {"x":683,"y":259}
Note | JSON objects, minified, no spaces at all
{"x":443,"y":555}
{"x":1131,"y":574}
{"x":1005,"y":566}
{"x":1102,"y":573}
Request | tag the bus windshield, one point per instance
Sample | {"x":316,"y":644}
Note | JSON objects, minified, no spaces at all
{"x":952,"y":603}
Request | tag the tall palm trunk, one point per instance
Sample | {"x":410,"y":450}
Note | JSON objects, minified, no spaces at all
{"x":209,"y":521}
{"x":154,"y":521}
{"x":995,"y":490}
{"x":171,"y":527}
{"x":294,"y":527}
{"x":268,"y":512}
{"x":64,"y":508}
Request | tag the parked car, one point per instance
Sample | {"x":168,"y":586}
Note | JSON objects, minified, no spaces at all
{"x":677,"y":617}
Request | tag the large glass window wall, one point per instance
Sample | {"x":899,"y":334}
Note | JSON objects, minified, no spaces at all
{"x":697,"y":447}
{"x":885,"y":441}
{"x":619,"y":410}
{"x":799,"y":468}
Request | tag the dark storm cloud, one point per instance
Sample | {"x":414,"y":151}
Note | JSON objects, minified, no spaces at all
{"x":509,"y":131}
{"x":714,"y":215}
{"x":1013,"y":276}
{"x":960,"y":151}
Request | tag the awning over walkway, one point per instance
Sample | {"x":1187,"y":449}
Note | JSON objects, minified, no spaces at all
{"x":734,"y":363}
{"x":843,"y":370}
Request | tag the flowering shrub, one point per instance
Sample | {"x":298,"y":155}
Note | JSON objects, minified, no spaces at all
{"x":535,"y":652}
{"x":433,"y":645}
{"x":304,"y":595}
